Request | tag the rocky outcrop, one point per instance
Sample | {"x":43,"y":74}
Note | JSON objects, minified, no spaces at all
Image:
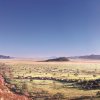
{"x":60,"y":59}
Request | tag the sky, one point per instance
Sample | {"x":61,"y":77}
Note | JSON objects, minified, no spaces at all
{"x":46,"y":28}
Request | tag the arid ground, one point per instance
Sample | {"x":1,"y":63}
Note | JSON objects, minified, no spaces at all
{"x":44,"y":79}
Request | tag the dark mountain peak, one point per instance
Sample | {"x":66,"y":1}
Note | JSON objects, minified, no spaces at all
{"x":4,"y":57}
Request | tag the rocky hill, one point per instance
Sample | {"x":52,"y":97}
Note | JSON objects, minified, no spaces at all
{"x":60,"y":59}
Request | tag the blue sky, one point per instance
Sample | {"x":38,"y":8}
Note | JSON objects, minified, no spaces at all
{"x":42,"y":28}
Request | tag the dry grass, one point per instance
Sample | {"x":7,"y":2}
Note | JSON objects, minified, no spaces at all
{"x":62,"y":70}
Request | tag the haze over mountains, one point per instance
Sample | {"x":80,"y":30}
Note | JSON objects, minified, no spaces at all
{"x":91,"y":57}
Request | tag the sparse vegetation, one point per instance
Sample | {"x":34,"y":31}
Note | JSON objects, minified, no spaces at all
{"x":64,"y":80}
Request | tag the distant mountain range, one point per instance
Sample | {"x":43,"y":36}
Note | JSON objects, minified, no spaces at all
{"x":91,"y":57}
{"x":88,"y":57}
{"x":5,"y":57}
